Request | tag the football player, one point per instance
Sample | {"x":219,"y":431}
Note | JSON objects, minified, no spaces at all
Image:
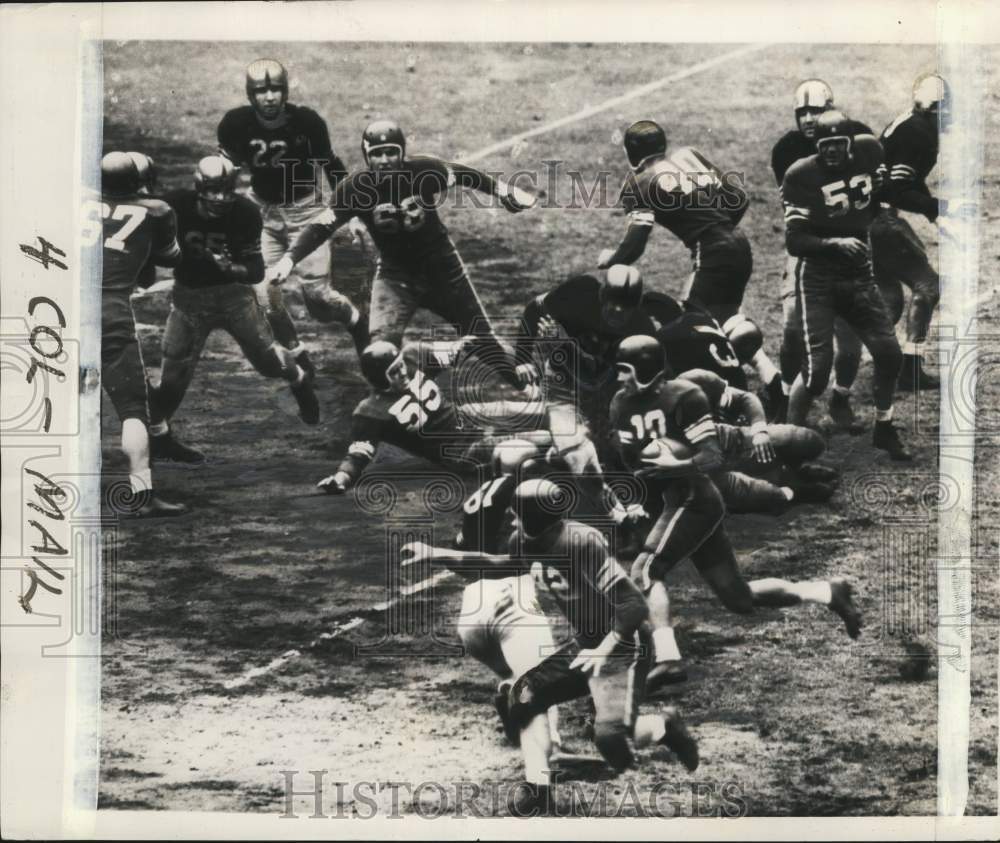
{"x":287,"y":150}
{"x":501,"y":623}
{"x":132,"y":228}
{"x":668,"y":436}
{"x":830,"y":203}
{"x":911,"y":149}
{"x":813,"y":97}
{"x":219,"y":232}
{"x":608,"y":656}
{"x":701,"y":206}
{"x":409,"y":408}
{"x":396,"y":197}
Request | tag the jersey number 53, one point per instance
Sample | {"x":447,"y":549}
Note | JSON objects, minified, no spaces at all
{"x":840,"y":196}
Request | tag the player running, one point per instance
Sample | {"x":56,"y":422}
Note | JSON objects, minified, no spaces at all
{"x":286,"y":148}
{"x":132,"y":229}
{"x":830,"y":203}
{"x":409,"y":408}
{"x":690,"y":197}
{"x":219,"y":233}
{"x":911,"y":150}
{"x":813,"y":97}
{"x":397,"y":198}
{"x":608,"y":655}
{"x":668,"y":436}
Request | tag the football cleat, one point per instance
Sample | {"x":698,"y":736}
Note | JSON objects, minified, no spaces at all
{"x":644,"y":139}
{"x":501,"y":701}
{"x":812,"y":491}
{"x":215,"y":183}
{"x":913,"y":378}
{"x":119,"y":175}
{"x":640,"y":361}
{"x":679,"y":740}
{"x":663,"y":674}
{"x":527,"y":799}
{"x":153,"y":507}
{"x":842,"y":413}
{"x":817,"y":473}
{"x":886,"y":437}
{"x":304,"y":361}
{"x":842,"y":603}
{"x":305,"y":397}
{"x":774,"y":399}
{"x":164,"y":448}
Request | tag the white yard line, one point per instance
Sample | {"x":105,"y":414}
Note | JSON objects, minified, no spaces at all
{"x":635,"y":93}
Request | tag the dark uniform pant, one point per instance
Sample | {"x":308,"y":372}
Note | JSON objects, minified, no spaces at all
{"x":723,"y":264}
{"x":196,"y":312}
{"x":122,"y":372}
{"x":827,"y":289}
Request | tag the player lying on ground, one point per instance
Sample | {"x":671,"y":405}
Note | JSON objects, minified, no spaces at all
{"x":397,"y":198}
{"x":830,"y":203}
{"x":668,"y":437}
{"x":287,"y":150}
{"x":608,"y":656}
{"x":409,"y":407}
{"x":132,"y":229}
{"x":813,"y":97}
{"x":219,"y":234}
{"x":701,"y":206}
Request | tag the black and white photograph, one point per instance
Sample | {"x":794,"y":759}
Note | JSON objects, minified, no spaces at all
{"x":484,"y":427}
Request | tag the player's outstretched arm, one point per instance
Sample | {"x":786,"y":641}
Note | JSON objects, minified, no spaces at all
{"x":512,"y":197}
{"x":308,"y":241}
{"x":633,"y":244}
{"x":485,"y":564}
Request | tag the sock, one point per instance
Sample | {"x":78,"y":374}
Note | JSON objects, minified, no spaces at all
{"x":765,"y":368}
{"x":142,"y":481}
{"x":842,"y":391}
{"x":883,"y":415}
{"x":554,"y":736}
{"x":786,"y":387}
{"x":535,"y":748}
{"x":300,"y":375}
{"x":787,"y":492}
{"x":815,"y":592}
{"x":665,"y":645}
{"x":355,"y":316}
{"x":159,"y":429}
{"x":914,"y":349}
{"x":649,"y":729}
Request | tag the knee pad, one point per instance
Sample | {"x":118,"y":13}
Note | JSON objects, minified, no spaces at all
{"x":744,"y":335}
{"x":611,"y":740}
{"x":324,"y":303}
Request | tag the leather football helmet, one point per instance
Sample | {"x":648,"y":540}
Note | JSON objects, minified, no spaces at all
{"x":643,"y":140}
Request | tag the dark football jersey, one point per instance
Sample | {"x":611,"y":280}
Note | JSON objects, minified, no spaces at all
{"x":794,"y":146}
{"x":236,"y":234}
{"x":911,"y":151}
{"x":485,"y":518}
{"x":132,"y":230}
{"x":695,"y":341}
{"x":834,"y":204}
{"x":285,"y":161}
{"x":422,"y":420}
{"x":674,"y":409}
{"x":399,"y":209}
{"x":576,"y":306}
{"x":684,"y":192}
{"x":587,"y":582}
{"x":729,"y":404}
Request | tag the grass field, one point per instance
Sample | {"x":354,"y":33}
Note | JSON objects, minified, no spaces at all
{"x":805,"y":721}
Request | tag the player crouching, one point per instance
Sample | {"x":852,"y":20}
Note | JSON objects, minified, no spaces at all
{"x":607,"y":658}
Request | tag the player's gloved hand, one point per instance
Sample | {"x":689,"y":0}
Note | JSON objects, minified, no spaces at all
{"x":357,"y":229}
{"x":763,"y":450}
{"x":852,"y":247}
{"x":604,"y":258}
{"x":513,"y":198}
{"x":413,"y":553}
{"x":279,"y":273}
{"x":335,"y":484}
